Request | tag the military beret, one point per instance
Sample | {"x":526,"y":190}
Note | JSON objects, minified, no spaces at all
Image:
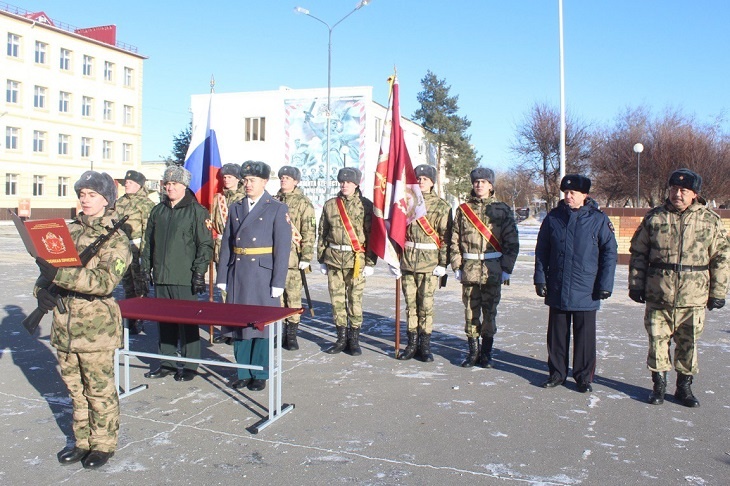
{"x":231,"y":170}
{"x":426,"y":171}
{"x":99,"y":182}
{"x":290,"y":171}
{"x":177,"y":173}
{"x":575,"y":182}
{"x":482,"y":173}
{"x":349,"y":174}
{"x":687,"y":179}
{"x":133,"y":175}
{"x":253,"y":168}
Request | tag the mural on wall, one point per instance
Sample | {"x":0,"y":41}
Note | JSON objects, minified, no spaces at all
{"x":305,"y":141}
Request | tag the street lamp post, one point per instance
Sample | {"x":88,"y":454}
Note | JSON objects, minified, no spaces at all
{"x":638,"y":148}
{"x":304,"y":11}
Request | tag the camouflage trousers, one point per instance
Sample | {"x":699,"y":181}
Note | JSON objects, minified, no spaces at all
{"x":346,"y":296}
{"x":133,"y":281}
{"x":418,"y":290}
{"x":89,"y":378}
{"x":293,"y":294}
{"x":480,"y":309}
{"x":684,"y":325}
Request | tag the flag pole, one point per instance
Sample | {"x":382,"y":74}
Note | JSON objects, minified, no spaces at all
{"x":211,"y":266}
{"x":398,"y":280}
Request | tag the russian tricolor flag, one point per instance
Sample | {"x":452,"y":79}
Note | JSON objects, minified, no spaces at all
{"x":203,"y":159}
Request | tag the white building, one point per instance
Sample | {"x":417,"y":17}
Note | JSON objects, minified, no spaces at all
{"x":72,"y":102}
{"x":288,"y":127}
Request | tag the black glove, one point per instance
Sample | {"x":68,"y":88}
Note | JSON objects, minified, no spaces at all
{"x":541,"y":290}
{"x":602,"y":295}
{"x":713,"y":303}
{"x":637,"y":296}
{"x":198,"y":283}
{"x":46,"y":301}
{"x":48,"y":271}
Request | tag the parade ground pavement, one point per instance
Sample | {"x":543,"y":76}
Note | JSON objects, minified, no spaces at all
{"x":375,"y":420}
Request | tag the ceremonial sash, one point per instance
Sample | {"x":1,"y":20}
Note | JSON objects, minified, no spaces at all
{"x":296,"y":236}
{"x":223,"y":207}
{"x":428,"y":229}
{"x":356,"y":246}
{"x":480,"y":226}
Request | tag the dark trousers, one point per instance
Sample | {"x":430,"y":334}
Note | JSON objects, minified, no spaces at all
{"x":584,"y":343}
{"x":252,"y":352}
{"x":170,"y":334}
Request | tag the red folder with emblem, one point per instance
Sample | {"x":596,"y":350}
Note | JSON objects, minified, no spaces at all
{"x":52,"y":242}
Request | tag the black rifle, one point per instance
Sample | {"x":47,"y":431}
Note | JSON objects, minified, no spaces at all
{"x":306,"y":292}
{"x":31,"y":322}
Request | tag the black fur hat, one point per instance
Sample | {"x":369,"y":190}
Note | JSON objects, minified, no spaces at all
{"x":231,"y":170}
{"x":575,"y":182}
{"x":349,"y":174}
{"x":687,"y":179}
{"x":426,"y":171}
{"x":253,"y":168}
{"x":100,"y":182}
{"x":293,"y":172}
{"x":482,"y":173}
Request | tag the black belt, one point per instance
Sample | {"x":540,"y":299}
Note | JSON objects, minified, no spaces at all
{"x":678,"y":267}
{"x":79,"y":295}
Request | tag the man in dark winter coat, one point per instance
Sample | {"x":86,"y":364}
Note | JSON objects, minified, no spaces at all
{"x":575,"y":262}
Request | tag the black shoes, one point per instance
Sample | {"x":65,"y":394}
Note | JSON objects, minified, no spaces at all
{"x":236,"y":384}
{"x":158,"y":373}
{"x":585,"y":387}
{"x":96,"y":459}
{"x":256,"y":385}
{"x":553,"y":381}
{"x":220,"y":338}
{"x":185,"y":375}
{"x":71,"y":455}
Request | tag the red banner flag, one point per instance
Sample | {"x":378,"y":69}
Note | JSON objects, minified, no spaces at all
{"x":397,"y":199}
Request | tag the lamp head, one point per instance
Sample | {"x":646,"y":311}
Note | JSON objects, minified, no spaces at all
{"x":638,"y":148}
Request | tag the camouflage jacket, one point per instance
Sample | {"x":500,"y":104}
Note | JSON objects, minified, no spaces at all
{"x":465,"y":238}
{"x":219,"y":219}
{"x":332,"y":231}
{"x":438,"y":214}
{"x":91,"y":325}
{"x":138,"y":207}
{"x":301,"y":214}
{"x":693,"y":237}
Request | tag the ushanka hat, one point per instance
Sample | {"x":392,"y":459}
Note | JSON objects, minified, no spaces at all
{"x":426,"y":171}
{"x":575,"y":182}
{"x":253,"y":168}
{"x":99,"y":182}
{"x":482,"y":173}
{"x":177,"y":173}
{"x":687,"y":179}
{"x":133,"y":175}
{"x":231,"y":170}
{"x":293,"y":172}
{"x":349,"y":174}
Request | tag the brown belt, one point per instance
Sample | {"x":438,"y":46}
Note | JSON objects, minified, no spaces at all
{"x":261,"y":250}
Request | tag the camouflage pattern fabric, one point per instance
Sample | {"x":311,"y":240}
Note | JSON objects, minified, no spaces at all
{"x":418,"y":290}
{"x":219,"y":221}
{"x":480,"y":309}
{"x":332,"y":231}
{"x":138,"y":207}
{"x":684,"y":325}
{"x":293,"y":294}
{"x":346,"y":296}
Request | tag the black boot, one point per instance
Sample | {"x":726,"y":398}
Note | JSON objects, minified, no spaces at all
{"x":424,"y":348}
{"x":684,"y":392}
{"x":135,"y":326}
{"x":660,"y":387}
{"x":485,"y":357}
{"x":471,"y":358}
{"x":290,"y":338}
{"x":353,"y":342}
{"x":411,"y":348}
{"x":284,"y":335}
{"x":341,"y":341}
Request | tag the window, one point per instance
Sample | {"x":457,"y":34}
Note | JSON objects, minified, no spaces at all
{"x":255,"y":129}
{"x":128,"y":115}
{"x":378,"y":129}
{"x":64,"y":100}
{"x":86,"y":105}
{"x":12,"y":134}
{"x":128,"y":77}
{"x":127,"y":152}
{"x":63,"y":141}
{"x":40,"y":52}
{"x":107,"y":148}
{"x":12,"y":92}
{"x":85,"y":146}
{"x":38,"y":185}
{"x":88,"y":66}
{"x":62,"y":186}
{"x":11,"y":184}
{"x":39,"y":141}
{"x":13,"y":45}
{"x":108,"y":71}
{"x":108,"y":110}
{"x":39,"y":97}
{"x":65,"y":60}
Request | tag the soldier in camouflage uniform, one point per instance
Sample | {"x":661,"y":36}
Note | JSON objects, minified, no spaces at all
{"x":346,"y":260}
{"x":136,"y":204}
{"x":87,"y":334}
{"x":303,"y":225}
{"x":482,"y":261}
{"x":680,"y":264}
{"x":423,"y":263}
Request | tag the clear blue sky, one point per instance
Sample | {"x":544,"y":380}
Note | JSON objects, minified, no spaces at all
{"x":500,"y":57}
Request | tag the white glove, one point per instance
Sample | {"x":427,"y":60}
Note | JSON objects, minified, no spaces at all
{"x":303,"y":265}
{"x":276,"y":292}
{"x":367,"y":271}
{"x":439,"y":271}
{"x":457,"y":275}
{"x":395,"y":271}
{"x":323,"y":268}
{"x":221,"y":286}
{"x":505,"y":277}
